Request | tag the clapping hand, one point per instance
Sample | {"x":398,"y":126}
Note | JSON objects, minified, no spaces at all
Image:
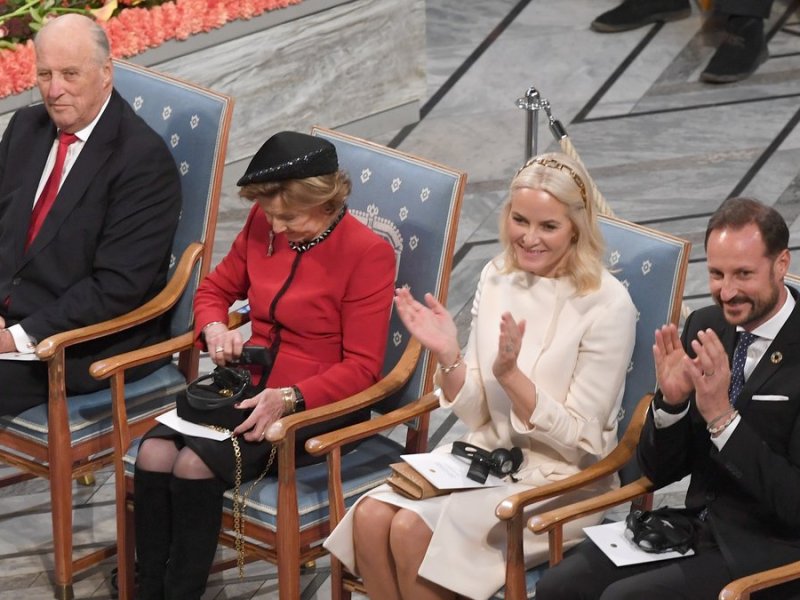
{"x":710,"y":375}
{"x":430,"y":323}
{"x":509,"y":344}
{"x":671,"y":361}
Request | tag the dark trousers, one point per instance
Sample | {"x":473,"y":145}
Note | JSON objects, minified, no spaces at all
{"x":587,"y":574}
{"x":745,"y":8}
{"x":23,"y":384}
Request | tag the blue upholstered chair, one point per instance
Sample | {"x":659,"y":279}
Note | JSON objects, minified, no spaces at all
{"x":415,"y":205}
{"x":652,"y":265}
{"x":71,"y":436}
{"x":739,"y":589}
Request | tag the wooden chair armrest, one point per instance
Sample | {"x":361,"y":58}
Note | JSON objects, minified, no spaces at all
{"x":384,"y":388}
{"x":741,"y":588}
{"x":547,"y":521}
{"x":612,"y":463}
{"x":107,"y":367}
{"x":325,"y":443}
{"x":158,"y":305}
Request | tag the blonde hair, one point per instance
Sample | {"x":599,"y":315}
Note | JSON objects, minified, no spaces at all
{"x":330,"y":190}
{"x":566,"y":180}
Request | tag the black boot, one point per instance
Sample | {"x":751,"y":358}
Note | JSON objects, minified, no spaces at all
{"x":196,"y":520}
{"x":637,"y":13}
{"x":741,"y":52}
{"x":153,"y":500}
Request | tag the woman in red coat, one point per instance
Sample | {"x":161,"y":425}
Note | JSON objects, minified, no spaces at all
{"x":319,"y":286}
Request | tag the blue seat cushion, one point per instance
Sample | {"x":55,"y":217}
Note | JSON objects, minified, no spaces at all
{"x":90,"y":414}
{"x":531,"y":577}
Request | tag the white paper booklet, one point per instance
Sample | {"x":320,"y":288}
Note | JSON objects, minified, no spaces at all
{"x":610,"y":538}
{"x":18,"y":356}
{"x":173,"y":421}
{"x":447,"y":471}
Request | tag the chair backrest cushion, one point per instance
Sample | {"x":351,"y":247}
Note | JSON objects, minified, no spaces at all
{"x":652,"y":265}
{"x":414,"y":204}
{"x":194,"y":123}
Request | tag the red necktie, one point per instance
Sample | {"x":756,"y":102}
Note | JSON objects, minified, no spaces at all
{"x":50,"y":190}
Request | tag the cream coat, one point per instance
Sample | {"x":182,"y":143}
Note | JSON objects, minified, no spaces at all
{"x":576,"y":349}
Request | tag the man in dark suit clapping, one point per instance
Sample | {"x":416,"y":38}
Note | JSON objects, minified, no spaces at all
{"x":727,"y":412}
{"x":89,"y":202}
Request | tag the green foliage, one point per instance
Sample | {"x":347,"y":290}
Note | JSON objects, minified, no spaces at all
{"x":21,"y":19}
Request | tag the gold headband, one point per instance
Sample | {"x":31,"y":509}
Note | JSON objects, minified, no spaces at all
{"x":554,"y":164}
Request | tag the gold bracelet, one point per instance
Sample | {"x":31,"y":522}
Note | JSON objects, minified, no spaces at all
{"x":714,"y":431}
{"x":207,"y":325}
{"x":287,"y":395}
{"x":452,"y":367}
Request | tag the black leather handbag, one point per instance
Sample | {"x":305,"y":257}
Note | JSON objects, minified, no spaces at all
{"x":211,"y":398}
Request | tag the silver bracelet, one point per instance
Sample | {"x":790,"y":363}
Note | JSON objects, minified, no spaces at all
{"x":714,"y":421}
{"x":724,"y":425}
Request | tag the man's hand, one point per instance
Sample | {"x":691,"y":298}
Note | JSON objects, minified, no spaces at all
{"x":672,"y":374}
{"x":7,"y":343}
{"x":710,"y":375}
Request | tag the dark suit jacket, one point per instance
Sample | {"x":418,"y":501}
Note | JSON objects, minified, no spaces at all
{"x":105,"y":246}
{"x":752,"y":486}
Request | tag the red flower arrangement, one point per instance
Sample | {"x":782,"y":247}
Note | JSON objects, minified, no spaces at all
{"x":132,"y":26}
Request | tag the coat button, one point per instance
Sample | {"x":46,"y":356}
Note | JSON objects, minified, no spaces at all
{"x":16,"y":281}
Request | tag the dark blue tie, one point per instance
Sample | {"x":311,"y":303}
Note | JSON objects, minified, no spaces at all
{"x":737,"y":368}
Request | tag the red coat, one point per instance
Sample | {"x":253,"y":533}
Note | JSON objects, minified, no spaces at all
{"x":335,"y":313}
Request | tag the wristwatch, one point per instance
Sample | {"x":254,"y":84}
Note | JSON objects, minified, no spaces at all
{"x":299,"y":401}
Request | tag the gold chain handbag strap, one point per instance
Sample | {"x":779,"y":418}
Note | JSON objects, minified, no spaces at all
{"x":238,"y":499}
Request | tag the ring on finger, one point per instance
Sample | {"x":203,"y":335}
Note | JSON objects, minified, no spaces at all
{"x":708,"y":374}
{"x":218,"y":349}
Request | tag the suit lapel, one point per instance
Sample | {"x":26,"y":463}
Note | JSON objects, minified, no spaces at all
{"x":92,"y":158}
{"x":783,"y":347}
{"x":40,"y":149}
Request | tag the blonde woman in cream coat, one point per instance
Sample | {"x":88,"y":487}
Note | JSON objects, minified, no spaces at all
{"x":544,"y":369}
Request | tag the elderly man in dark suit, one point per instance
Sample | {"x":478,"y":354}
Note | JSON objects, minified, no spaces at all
{"x":89,"y":202}
{"x":727,"y":413}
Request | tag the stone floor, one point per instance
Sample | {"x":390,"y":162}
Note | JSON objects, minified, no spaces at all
{"x":663,"y":148}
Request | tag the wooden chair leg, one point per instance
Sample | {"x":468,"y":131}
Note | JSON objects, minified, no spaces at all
{"x":61,"y":507}
{"x":64,"y":592}
{"x":337,"y":581}
{"x":126,"y":546}
{"x":288,"y":565}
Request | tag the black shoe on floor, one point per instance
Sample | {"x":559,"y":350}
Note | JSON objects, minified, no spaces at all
{"x":637,"y":13}
{"x":741,"y":52}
